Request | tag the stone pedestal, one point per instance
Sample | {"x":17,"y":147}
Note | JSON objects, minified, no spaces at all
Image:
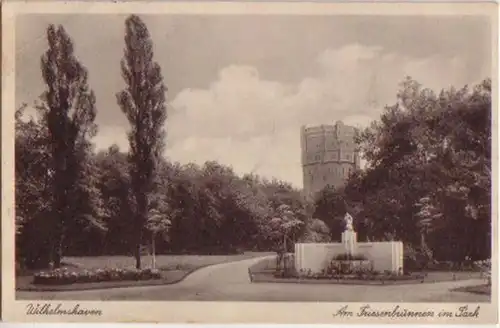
{"x":349,"y":240}
{"x":316,"y":257}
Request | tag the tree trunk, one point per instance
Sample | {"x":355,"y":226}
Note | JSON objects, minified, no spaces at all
{"x":60,"y":186}
{"x":140,"y":219}
{"x":137,"y":252}
{"x":153,"y":264}
{"x":58,"y":230}
{"x":58,"y":250}
{"x":284,"y":252}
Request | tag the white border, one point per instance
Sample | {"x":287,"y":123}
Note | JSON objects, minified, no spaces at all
{"x":216,"y":312}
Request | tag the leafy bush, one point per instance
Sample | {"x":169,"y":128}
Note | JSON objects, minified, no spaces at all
{"x":415,"y":259}
{"x":288,"y":269}
{"x":67,"y":276}
{"x":485,"y":268}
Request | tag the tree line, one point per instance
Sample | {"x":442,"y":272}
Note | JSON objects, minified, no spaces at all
{"x":428,"y":175}
{"x":427,"y":180}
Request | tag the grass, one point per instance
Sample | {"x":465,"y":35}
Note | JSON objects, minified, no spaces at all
{"x":163,"y":262}
{"x":263,"y":271}
{"x":268,"y":264}
{"x":478,"y":289}
{"x":174,"y":268}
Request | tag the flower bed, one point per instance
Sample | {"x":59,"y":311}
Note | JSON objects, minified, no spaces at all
{"x":353,"y":266}
{"x":369,"y":276}
{"x":67,"y":276}
{"x":350,"y":279}
{"x":356,"y":271}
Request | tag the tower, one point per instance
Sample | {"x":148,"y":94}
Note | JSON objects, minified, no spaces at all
{"x":328,"y":156}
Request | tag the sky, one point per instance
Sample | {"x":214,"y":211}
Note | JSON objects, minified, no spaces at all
{"x":240,"y":87}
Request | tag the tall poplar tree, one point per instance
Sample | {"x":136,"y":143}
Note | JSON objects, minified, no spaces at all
{"x":68,"y":109}
{"x":143,"y":103}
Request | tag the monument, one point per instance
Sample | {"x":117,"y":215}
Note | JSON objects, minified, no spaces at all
{"x":349,"y":236}
{"x":316,"y":257}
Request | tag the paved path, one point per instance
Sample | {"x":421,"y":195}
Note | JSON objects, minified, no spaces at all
{"x":230,"y":282}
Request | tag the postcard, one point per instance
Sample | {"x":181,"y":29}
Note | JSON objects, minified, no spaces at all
{"x":250,"y":162}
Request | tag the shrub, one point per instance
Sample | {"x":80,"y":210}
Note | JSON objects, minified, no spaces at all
{"x":415,"y":259}
{"x":485,"y":269}
{"x":67,"y":276}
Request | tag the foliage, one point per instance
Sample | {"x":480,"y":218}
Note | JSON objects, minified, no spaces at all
{"x":361,"y":275}
{"x":56,"y":196}
{"x":65,"y":276}
{"x":355,"y":270}
{"x":113,"y":183}
{"x":143,"y":103}
{"x":427,"y":180}
{"x":485,"y":267}
{"x":32,"y":188}
{"x":316,"y":231}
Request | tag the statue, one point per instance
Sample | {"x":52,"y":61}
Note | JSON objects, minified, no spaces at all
{"x":348,"y":222}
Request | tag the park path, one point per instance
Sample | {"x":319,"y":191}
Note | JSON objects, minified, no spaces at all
{"x":230,"y":282}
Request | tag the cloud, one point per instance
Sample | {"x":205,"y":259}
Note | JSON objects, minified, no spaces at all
{"x":253,"y":124}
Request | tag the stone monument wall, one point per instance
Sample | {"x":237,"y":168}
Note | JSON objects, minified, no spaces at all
{"x":384,"y":256}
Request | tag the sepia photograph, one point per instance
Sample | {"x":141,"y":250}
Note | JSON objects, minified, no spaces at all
{"x":252,"y":157}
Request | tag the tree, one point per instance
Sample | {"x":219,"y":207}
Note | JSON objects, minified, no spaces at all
{"x":316,"y":232}
{"x":114,"y":187}
{"x":33,"y":191}
{"x":143,"y":103}
{"x":89,"y":227}
{"x":428,"y":178}
{"x":157,"y":223}
{"x":68,"y":108}
{"x":285,"y":227}
{"x":330,"y":207}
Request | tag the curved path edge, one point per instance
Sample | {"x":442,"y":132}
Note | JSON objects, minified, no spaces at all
{"x":133,"y":284}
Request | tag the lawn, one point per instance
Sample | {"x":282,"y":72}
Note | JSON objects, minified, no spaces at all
{"x":174,"y":268}
{"x":480,"y":289}
{"x":163,"y":262}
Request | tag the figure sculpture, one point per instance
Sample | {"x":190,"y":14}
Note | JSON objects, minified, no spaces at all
{"x":348,"y":222}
